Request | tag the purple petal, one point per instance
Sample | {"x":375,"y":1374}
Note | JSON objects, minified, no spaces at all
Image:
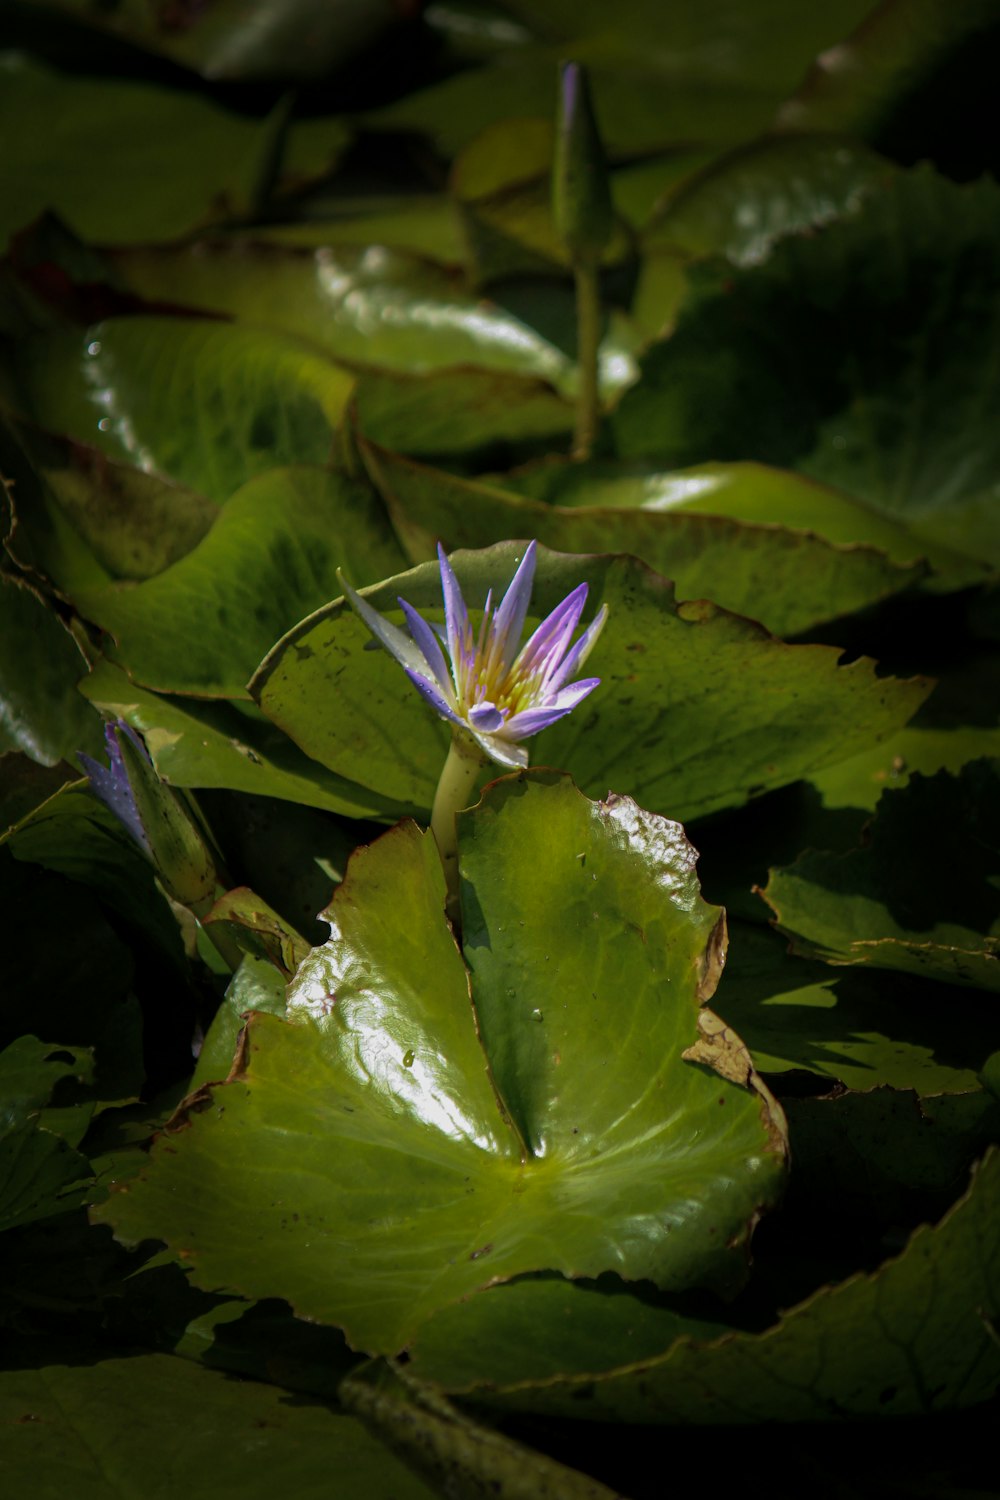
{"x":532,"y":720}
{"x":110,"y":784}
{"x":428,"y":644}
{"x":511,"y":615}
{"x":456,"y":618}
{"x":395,"y":641}
{"x":434,"y":696}
{"x":576,"y":658}
{"x":553,"y":634}
{"x":486,"y":718}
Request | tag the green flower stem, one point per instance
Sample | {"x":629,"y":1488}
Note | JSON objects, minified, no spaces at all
{"x":588,"y":330}
{"x":454,"y":791}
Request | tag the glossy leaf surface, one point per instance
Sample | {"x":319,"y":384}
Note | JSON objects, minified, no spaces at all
{"x":405,"y":1182}
{"x":876,"y":1344}
{"x":249,"y":399}
{"x":892,"y":413}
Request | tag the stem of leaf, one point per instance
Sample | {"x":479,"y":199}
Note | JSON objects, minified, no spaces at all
{"x":454,"y":791}
{"x":588,"y":335}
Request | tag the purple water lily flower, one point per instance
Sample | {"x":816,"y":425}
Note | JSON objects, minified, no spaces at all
{"x":486,"y":685}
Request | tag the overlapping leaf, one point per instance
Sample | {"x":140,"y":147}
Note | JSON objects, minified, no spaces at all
{"x":875,"y":390}
{"x":783,"y":575}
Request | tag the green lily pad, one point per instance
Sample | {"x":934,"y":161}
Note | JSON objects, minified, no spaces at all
{"x":248,"y":399}
{"x":788,"y":579}
{"x":960,"y":722}
{"x":41,"y":712}
{"x":368,"y":304}
{"x":461,"y":411}
{"x":217,"y":744}
{"x":202,"y":625}
{"x":576,"y":1116}
{"x":916,"y":1336}
{"x":892,"y":411}
{"x":848,"y":1024}
{"x":739,"y":206}
{"x":419,"y":223}
{"x":84,"y":1423}
{"x":920,"y":895}
{"x":717,"y":710}
{"x":40,"y":1173}
{"x":180,"y":161}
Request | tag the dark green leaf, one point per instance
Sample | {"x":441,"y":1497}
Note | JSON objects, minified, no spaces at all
{"x":920,"y":895}
{"x":857,"y":355}
{"x":849,"y":1025}
{"x":40,"y":1173}
{"x":93,"y":1426}
{"x":917,"y":1335}
{"x":41,"y":712}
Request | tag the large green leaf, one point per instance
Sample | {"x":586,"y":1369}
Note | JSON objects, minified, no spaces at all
{"x":848,"y":1024}
{"x":100,"y":1427}
{"x":40,"y":1173}
{"x":215,"y":744}
{"x":462,"y":411}
{"x":740,"y":205}
{"x":788,"y":579}
{"x":857,"y":355}
{"x":127,"y":163}
{"x":369,"y":305}
{"x":573,"y":1119}
{"x":697,"y":709}
{"x":41,"y":712}
{"x":915,"y":1336}
{"x":202,"y":625}
{"x":920,"y":894}
{"x":206,"y":403}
